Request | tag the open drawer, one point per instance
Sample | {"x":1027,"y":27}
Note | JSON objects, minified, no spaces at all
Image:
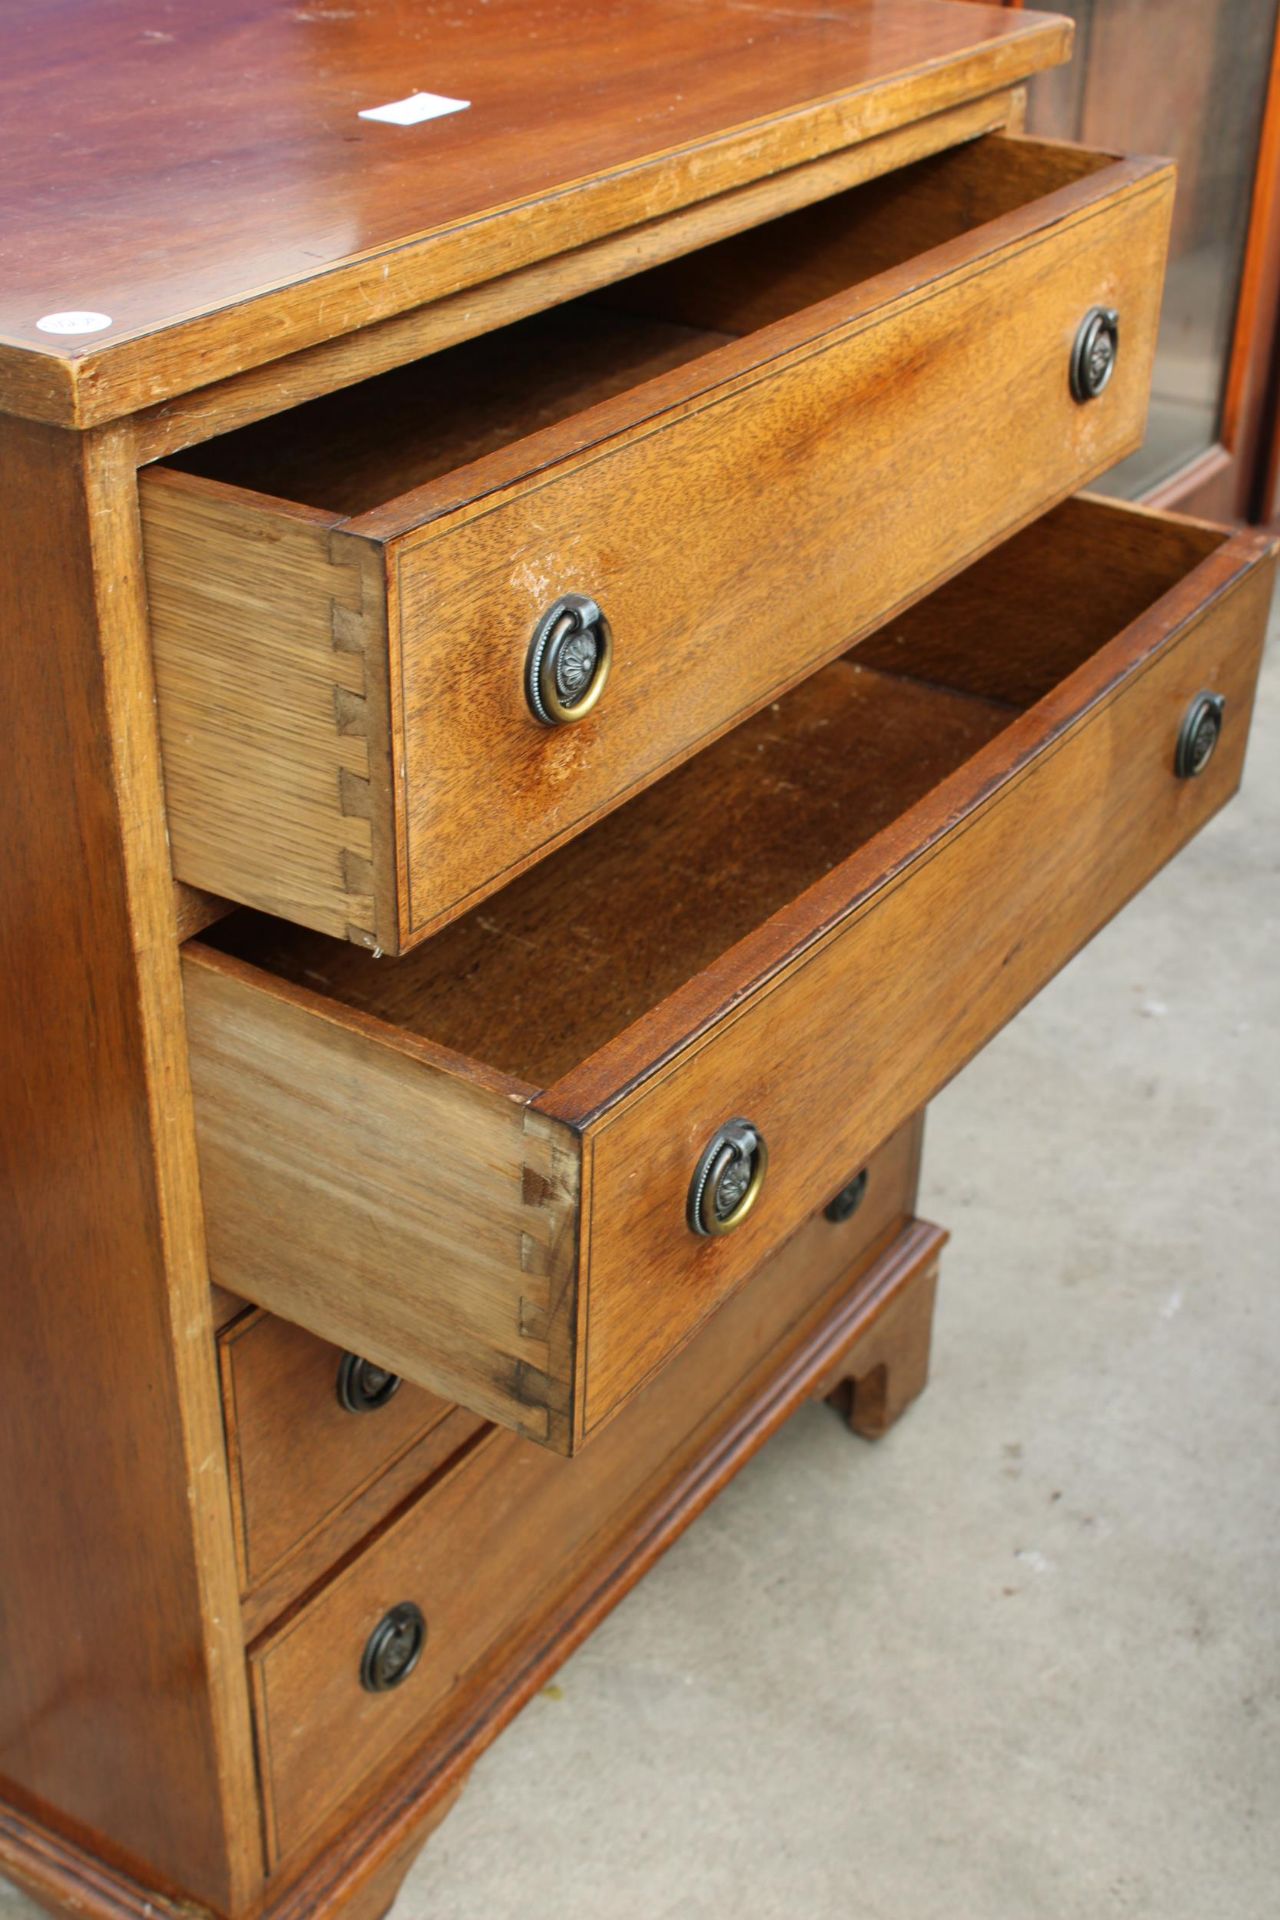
{"x":485,"y":1165}
{"x":383,"y":622}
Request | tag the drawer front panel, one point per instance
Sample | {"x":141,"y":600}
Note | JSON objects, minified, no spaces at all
{"x":741,"y":539}
{"x":298,"y":1455}
{"x":870,"y":1022}
{"x":487,"y":1551}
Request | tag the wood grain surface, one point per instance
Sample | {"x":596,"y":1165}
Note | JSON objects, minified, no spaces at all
{"x":786,"y":1344}
{"x":420,"y":1217}
{"x":363,"y":446}
{"x":888,"y":1368}
{"x":747,"y":519}
{"x":349,"y":1525}
{"x":511,"y":1674}
{"x":302,"y":375}
{"x":562,"y":960}
{"x":292,"y":219}
{"x":494,"y":1545}
{"x":1012,"y":864}
{"x":270,"y":638}
{"x":297,"y":1454}
{"x":661,"y":975}
{"x":689,"y":505}
{"x":1062,"y":587}
{"x":123,"y":1703}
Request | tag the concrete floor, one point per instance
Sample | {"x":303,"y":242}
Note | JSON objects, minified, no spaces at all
{"x":1021,"y":1661}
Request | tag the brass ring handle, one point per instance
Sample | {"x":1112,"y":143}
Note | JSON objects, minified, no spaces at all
{"x":393,"y":1649}
{"x":1093,"y":357}
{"x":363,"y":1386}
{"x":1198,"y":735}
{"x":848,"y":1200}
{"x":568,"y":661}
{"x":727,"y":1179}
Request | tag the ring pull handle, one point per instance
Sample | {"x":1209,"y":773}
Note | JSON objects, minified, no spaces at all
{"x":568,"y":661}
{"x":848,"y":1200}
{"x":393,"y":1649}
{"x":1093,"y":357}
{"x":1198,"y":735}
{"x":727,"y":1179}
{"x":364,"y":1387}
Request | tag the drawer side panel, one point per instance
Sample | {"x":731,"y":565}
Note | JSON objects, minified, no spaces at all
{"x":393,"y":1209}
{"x":269,"y":637}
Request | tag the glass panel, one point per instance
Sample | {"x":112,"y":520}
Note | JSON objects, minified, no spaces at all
{"x":1186,"y":78}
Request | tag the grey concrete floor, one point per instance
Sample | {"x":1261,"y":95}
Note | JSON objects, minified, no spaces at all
{"x":1022,"y":1658}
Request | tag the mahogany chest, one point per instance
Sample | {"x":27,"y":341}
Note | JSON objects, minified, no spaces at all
{"x":561,"y":679}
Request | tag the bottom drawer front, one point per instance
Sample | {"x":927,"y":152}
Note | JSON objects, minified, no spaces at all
{"x":488,"y":1550}
{"x":869,"y":1022}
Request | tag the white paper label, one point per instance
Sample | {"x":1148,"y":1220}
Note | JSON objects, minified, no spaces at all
{"x":414,"y":108}
{"x":74,"y":322}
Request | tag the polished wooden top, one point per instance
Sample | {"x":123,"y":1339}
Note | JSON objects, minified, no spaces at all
{"x":199,"y":177}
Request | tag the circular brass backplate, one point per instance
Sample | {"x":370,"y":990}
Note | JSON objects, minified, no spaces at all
{"x":727,"y":1180}
{"x":568,"y":662}
{"x":364,"y":1387}
{"x":393,"y":1649}
{"x":1198,"y":735}
{"x":1093,"y":357}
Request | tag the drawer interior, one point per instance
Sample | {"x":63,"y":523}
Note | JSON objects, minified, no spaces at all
{"x":350,"y":452}
{"x":559,"y":962}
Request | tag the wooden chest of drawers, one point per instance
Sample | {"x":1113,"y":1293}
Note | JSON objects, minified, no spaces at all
{"x":563,"y":683}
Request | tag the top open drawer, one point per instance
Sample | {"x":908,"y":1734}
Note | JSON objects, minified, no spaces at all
{"x":710,"y":479}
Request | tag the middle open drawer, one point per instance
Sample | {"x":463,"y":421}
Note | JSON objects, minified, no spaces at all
{"x":366,"y":611}
{"x":523,"y":1163}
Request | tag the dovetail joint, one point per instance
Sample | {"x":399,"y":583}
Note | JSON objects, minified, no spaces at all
{"x":350,"y":710}
{"x":355,"y":795}
{"x":348,"y":629}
